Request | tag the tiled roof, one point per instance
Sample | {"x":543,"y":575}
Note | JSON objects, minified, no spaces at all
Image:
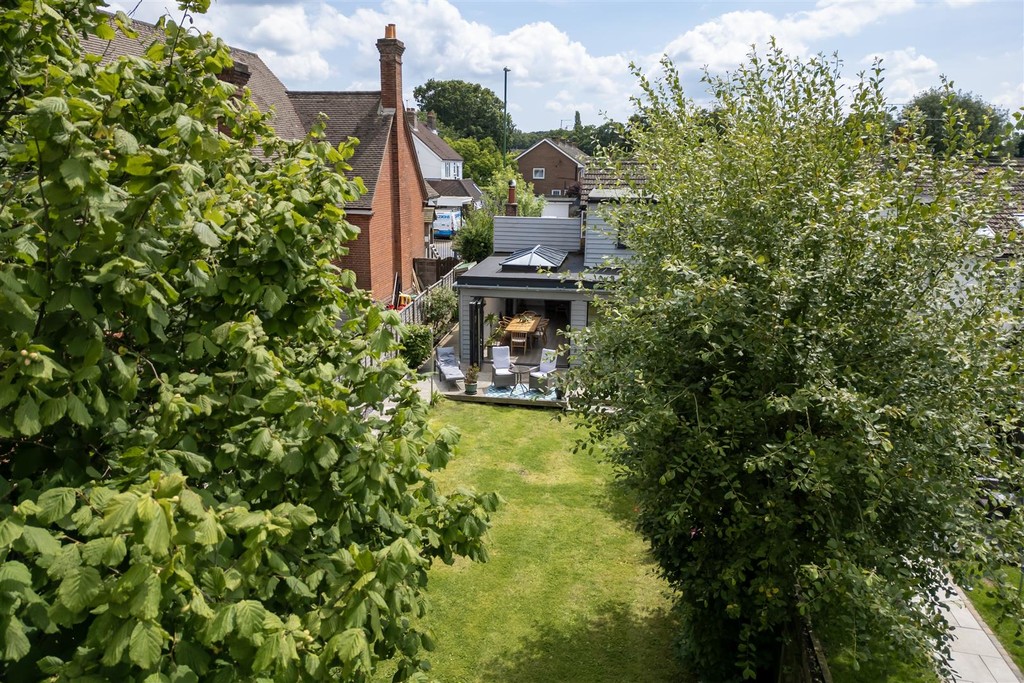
{"x":609,"y":177}
{"x":267,"y":91}
{"x":351,"y":114}
{"x":455,"y":188}
{"x":576,"y":155}
{"x":435,"y":143}
{"x":1006,"y":219}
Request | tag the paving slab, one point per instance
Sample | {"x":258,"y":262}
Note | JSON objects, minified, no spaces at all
{"x":977,"y":656}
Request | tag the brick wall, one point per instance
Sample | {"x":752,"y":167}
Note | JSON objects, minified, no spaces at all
{"x":560,"y":172}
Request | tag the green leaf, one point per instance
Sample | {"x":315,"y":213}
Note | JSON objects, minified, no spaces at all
{"x":279,"y":400}
{"x":55,"y":504}
{"x":14,"y":575}
{"x":351,"y":647}
{"x":274,"y":298}
{"x":16,"y":643}
{"x":79,"y":587}
{"x":120,"y":511}
{"x":75,"y":171}
{"x":139,"y":165}
{"x":117,"y":642}
{"x":158,"y":534}
{"x":52,"y":410}
{"x":147,"y":640}
{"x":249,"y":616}
{"x":26,"y":417}
{"x":109,"y":551}
{"x":77,"y":411}
{"x":205,"y":234}
{"x":260,"y":444}
{"x":145,"y":604}
{"x":11,"y":530}
{"x":40,"y":540}
{"x":125,"y":142}
{"x":104,"y":31}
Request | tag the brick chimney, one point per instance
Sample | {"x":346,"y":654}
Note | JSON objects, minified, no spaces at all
{"x":512,"y":208}
{"x":238,"y":74}
{"x":391,"y":49}
{"x":432,"y":122}
{"x":412,"y":118}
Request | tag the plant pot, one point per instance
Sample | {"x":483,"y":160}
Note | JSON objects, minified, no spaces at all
{"x":471,"y":388}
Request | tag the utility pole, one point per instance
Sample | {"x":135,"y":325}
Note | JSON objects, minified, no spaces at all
{"x":504,"y":122}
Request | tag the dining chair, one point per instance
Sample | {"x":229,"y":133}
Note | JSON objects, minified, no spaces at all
{"x":502,"y":375}
{"x":540,"y":334}
{"x":519,"y":339}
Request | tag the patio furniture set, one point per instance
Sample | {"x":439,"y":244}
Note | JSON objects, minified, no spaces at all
{"x":522,"y":329}
{"x":519,"y":378}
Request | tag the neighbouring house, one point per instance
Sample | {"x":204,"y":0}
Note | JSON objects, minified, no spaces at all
{"x":437,"y":158}
{"x":393,"y":216}
{"x":547,"y":265}
{"x":554,"y":167}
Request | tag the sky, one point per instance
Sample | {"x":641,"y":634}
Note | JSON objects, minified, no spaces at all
{"x":566,"y":56}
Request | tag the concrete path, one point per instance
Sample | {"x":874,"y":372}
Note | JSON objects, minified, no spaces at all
{"x":978,"y":657}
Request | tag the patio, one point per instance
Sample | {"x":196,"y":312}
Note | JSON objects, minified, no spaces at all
{"x":520,"y":394}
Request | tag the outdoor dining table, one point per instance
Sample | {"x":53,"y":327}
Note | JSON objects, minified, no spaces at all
{"x":523,"y":325}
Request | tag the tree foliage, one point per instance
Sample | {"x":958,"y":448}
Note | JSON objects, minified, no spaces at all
{"x":481,"y":158}
{"x":198,"y":479}
{"x":807,"y":365}
{"x":942,"y":106}
{"x":475,"y":240}
{"x":465,"y":110}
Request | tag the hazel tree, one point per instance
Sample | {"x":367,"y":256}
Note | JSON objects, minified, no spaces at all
{"x":198,"y":475}
{"x":809,"y":371}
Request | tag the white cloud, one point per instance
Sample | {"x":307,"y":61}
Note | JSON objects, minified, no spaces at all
{"x":906,"y":72}
{"x":1010,"y":97}
{"x":723,"y":43}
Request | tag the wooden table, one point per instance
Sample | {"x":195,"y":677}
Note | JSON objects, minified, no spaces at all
{"x":529,"y":326}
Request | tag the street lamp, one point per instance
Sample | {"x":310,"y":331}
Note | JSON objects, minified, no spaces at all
{"x":504,"y":121}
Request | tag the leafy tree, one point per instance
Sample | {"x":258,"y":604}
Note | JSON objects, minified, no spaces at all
{"x":939,"y":105}
{"x":807,"y":366}
{"x":481,"y":158}
{"x":475,"y":240}
{"x":197,"y":476}
{"x":466,"y":110}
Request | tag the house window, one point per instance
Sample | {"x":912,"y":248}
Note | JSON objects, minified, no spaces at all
{"x":447,"y":169}
{"x":556,"y":193}
{"x":538,"y":174}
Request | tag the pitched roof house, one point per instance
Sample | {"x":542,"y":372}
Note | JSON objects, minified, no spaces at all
{"x":390,"y":215}
{"x":437,"y":158}
{"x":553,"y":166}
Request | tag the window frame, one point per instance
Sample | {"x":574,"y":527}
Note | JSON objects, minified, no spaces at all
{"x":538,"y":173}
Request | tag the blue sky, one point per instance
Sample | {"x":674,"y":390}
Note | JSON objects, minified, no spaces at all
{"x":574,"y":55}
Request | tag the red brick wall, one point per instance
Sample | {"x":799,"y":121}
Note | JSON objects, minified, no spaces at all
{"x":358,"y":258}
{"x":413,"y":196}
{"x":559,"y":170}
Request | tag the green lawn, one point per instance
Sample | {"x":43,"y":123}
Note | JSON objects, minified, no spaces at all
{"x":569,"y":593}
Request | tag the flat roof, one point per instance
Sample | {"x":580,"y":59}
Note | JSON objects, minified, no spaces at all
{"x":488,"y":273}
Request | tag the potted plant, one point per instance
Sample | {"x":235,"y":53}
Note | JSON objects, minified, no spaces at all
{"x":497,"y":332}
{"x":471,"y":374}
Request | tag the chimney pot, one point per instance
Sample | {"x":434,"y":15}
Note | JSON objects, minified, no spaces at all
{"x":389,"y":32}
{"x":512,"y":208}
